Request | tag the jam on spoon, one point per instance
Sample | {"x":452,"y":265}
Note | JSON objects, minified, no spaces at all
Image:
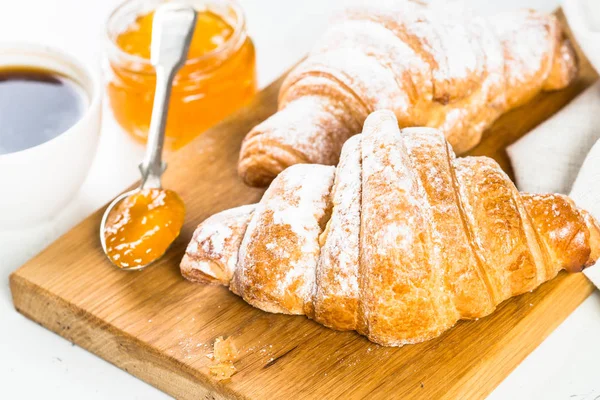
{"x":142,"y":226}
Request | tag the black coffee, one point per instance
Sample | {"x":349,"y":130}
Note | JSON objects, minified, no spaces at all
{"x":36,"y":105}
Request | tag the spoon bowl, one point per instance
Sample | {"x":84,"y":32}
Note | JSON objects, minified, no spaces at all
{"x":139,"y":226}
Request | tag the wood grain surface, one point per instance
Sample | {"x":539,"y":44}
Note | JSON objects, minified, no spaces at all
{"x":159,"y":327}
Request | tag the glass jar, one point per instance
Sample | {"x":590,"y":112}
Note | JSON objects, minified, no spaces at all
{"x":210,"y":85}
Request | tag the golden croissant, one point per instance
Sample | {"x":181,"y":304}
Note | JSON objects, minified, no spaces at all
{"x":436,"y":66}
{"x":399,"y":242}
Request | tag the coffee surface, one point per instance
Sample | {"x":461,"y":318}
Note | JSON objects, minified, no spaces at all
{"x":36,"y":106}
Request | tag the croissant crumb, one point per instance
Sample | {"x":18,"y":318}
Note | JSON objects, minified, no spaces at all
{"x":224,"y":350}
{"x":223,"y":356}
{"x":222,"y":371}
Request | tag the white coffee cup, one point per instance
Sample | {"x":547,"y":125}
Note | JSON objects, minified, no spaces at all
{"x":36,"y":183}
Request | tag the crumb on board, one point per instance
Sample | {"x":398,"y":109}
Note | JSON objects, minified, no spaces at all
{"x":224,"y":349}
{"x":222,"y":371}
{"x":224,"y":354}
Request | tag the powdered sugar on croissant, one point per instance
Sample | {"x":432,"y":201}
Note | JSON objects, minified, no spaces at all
{"x":399,"y":242}
{"x":211,"y":256}
{"x":279,"y":253}
{"x":433,"y":65}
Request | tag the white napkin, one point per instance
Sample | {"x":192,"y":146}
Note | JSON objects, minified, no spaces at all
{"x":584,"y":20}
{"x":562,"y":155}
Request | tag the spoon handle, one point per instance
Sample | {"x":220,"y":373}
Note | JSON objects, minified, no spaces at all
{"x":152,"y":166}
{"x":172,"y":31}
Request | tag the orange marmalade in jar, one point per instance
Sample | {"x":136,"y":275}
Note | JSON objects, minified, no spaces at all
{"x":218,"y":77}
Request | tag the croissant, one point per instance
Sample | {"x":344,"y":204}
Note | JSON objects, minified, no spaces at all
{"x":399,"y":242}
{"x":435,"y":66}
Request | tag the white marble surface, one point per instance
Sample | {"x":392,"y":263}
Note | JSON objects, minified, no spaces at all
{"x":35,"y":363}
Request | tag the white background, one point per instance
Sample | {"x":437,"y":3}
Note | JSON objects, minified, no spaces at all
{"x":37,"y":363}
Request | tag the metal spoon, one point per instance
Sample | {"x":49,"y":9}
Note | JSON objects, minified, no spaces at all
{"x":172,"y":31}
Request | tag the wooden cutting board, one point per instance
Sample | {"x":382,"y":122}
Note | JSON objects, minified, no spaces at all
{"x":159,"y":327}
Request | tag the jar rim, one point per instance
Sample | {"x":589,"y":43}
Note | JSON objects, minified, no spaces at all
{"x":235,"y":40}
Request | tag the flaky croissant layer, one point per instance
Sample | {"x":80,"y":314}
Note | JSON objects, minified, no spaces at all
{"x":432,"y":65}
{"x":398,"y":242}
